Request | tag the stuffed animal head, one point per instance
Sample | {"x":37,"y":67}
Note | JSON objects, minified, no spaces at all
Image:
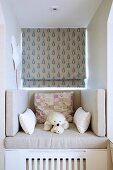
{"x":56,"y":119}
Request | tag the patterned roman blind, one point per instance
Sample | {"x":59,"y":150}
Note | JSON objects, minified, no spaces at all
{"x":53,"y":57}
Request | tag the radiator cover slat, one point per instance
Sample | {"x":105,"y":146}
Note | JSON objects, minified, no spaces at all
{"x":56,"y":164}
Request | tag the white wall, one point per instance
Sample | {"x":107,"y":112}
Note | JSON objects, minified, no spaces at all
{"x":2,"y":85}
{"x":12,"y":28}
{"x":8,"y":27}
{"x":110,"y":76}
{"x":98,"y":62}
{"x":97,"y":45}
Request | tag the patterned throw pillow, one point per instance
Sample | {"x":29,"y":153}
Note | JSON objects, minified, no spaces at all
{"x":46,"y":103}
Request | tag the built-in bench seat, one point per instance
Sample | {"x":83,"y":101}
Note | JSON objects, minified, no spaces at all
{"x":70,"y":139}
{"x":76,"y":151}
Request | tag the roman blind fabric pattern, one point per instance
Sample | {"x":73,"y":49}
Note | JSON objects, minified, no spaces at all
{"x":53,"y":57}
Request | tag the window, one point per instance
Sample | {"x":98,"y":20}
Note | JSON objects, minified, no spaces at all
{"x":53,"y":57}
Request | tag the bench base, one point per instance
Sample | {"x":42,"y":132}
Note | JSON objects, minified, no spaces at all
{"x":56,"y":159}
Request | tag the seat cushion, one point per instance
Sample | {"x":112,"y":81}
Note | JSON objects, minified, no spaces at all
{"x":70,"y":139}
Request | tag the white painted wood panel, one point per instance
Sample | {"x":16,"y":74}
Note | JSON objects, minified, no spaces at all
{"x":70,"y":159}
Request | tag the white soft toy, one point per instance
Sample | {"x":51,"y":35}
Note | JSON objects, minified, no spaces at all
{"x":55,"y":119}
{"x":57,"y":129}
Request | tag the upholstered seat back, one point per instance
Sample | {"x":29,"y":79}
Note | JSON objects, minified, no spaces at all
{"x":91,"y":100}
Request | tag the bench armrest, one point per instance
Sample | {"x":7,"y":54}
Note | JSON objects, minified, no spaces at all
{"x":94,"y":102}
{"x":16,"y":102}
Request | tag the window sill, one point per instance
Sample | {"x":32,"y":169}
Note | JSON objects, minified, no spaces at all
{"x":52,"y":88}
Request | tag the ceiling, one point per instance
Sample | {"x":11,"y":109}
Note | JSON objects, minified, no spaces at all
{"x":39,"y":13}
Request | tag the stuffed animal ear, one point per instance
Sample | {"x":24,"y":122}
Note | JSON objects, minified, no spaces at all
{"x":47,"y":125}
{"x":53,"y":130}
{"x":65,"y":124}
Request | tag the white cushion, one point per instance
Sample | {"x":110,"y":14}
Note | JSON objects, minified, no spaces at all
{"x":82,"y":120}
{"x":27,"y":121}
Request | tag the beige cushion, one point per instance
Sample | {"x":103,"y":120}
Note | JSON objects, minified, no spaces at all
{"x":76,"y":102}
{"x":70,"y":139}
{"x":46,"y":103}
{"x":16,"y":102}
{"x":93,"y":101}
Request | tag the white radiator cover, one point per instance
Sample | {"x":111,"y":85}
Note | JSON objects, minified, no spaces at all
{"x":63,"y":159}
{"x":56,"y":164}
